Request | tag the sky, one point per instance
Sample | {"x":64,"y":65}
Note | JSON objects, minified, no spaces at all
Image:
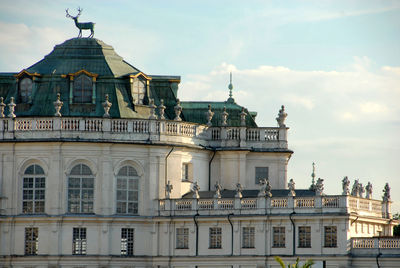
{"x":335,"y":65}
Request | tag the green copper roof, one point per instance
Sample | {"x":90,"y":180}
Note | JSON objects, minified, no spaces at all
{"x":90,"y":54}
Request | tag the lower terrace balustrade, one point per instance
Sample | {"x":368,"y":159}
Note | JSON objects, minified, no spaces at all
{"x":375,"y":245}
{"x":262,"y":205}
{"x":141,"y":130}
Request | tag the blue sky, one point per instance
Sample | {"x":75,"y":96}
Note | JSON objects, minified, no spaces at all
{"x":335,"y":65}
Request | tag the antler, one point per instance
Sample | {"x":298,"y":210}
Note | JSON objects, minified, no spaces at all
{"x":68,"y":15}
{"x":79,"y":12}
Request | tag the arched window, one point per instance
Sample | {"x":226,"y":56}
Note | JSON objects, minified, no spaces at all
{"x":138,"y":90}
{"x":80,"y":189}
{"x":83,"y":89}
{"x":33,"y":190}
{"x":127,"y":190}
{"x":25,"y":89}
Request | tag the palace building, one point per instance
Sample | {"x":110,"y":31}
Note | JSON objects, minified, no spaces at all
{"x":101,"y":165}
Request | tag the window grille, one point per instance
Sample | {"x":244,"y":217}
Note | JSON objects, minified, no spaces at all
{"x":25,"y":89}
{"x":79,"y":241}
{"x":304,"y":237}
{"x":80,"y":190}
{"x":83,"y":89}
{"x":215,"y":237}
{"x":127,"y":191}
{"x":330,"y":236}
{"x":33,"y":190}
{"x":248,"y":237}
{"x":279,"y":237}
{"x":185,"y":172}
{"x":31,"y":240}
{"x":138,"y":91}
{"x":127,"y":241}
{"x":182,"y":238}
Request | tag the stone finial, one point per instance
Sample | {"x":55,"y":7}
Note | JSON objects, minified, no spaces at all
{"x":209,"y":115}
{"x":106,"y":105}
{"x":239,"y":190}
{"x":368,"y":190}
{"x":281,"y":117}
{"x":178,"y":110}
{"x":168,"y":190}
{"x":224,"y":116}
{"x":218,"y":189}
{"x":361,"y":190}
{"x":355,"y":191}
{"x":386,"y":193}
{"x":195,"y":190}
{"x":11,"y":108}
{"x":345,"y":186}
{"x":161,"y":110}
{"x":2,"y":107}
{"x":292,"y":187}
{"x":312,"y":186}
{"x":243,"y":118}
{"x":57,"y":105}
{"x":319,"y":187}
{"x":152,"y":109}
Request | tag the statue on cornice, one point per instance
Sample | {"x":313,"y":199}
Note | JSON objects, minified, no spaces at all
{"x":345,"y":186}
{"x":368,"y":190}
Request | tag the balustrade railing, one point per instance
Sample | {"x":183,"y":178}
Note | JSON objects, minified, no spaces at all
{"x":304,"y":202}
{"x":376,"y":242}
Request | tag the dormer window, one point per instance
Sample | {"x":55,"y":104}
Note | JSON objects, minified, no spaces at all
{"x":25,"y":90}
{"x":83,"y":89}
{"x":138,"y":90}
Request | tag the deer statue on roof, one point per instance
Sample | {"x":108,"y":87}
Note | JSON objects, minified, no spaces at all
{"x":81,"y":25}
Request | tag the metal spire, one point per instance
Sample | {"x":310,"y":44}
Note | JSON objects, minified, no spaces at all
{"x":312,"y":187}
{"x":230,"y":99}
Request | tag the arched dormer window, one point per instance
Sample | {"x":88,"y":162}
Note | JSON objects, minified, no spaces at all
{"x":33,"y":190}
{"x":83,"y":89}
{"x":127,"y":191}
{"x":80,"y":189}
{"x":139,"y":87}
{"x":25,"y":90}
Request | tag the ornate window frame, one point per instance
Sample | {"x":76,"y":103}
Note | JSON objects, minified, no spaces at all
{"x":19,"y":78}
{"x":132,"y":79}
{"x":72,"y":76}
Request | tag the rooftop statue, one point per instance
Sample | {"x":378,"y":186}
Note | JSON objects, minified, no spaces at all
{"x":292,"y":186}
{"x":81,"y":25}
{"x":386,"y":193}
{"x":218,"y":189}
{"x":345,"y":186}
{"x":368,"y":190}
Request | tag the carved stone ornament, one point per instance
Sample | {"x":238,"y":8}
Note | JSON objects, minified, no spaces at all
{"x":57,"y":105}
{"x":11,"y":108}
{"x":361,"y":190}
{"x":106,"y":105}
{"x":161,"y":110}
{"x":168,"y":190}
{"x":178,"y":110}
{"x":196,"y":189}
{"x":2,"y":107}
{"x":319,"y":186}
{"x":209,"y":115}
{"x":239,"y":190}
{"x":368,"y":190}
{"x":345,"y":186}
{"x":218,"y":189}
{"x":243,"y":117}
{"x":265,"y":188}
{"x":386,"y":193}
{"x":224,"y":116}
{"x":152,"y":109}
{"x":292,"y":187}
{"x":355,"y":191}
{"x":281,"y":117}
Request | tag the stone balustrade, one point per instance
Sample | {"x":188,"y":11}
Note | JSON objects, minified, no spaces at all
{"x":274,"y":205}
{"x":141,"y":130}
{"x":375,"y":245}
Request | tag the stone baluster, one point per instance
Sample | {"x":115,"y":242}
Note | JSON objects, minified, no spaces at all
{"x":2,"y":107}
{"x":57,"y":105}
{"x":11,"y":108}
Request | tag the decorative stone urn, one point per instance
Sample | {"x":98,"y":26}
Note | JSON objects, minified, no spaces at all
{"x":106,"y":105}
{"x":57,"y":105}
{"x":178,"y":110}
{"x":152,"y":109}
{"x":281,"y":117}
{"x":11,"y":108}
{"x":2,"y":107}
{"x":161,"y":110}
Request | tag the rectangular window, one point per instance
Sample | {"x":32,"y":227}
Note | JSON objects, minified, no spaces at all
{"x":248,"y":237}
{"x":261,"y":173}
{"x":185,"y":172}
{"x":33,"y":195}
{"x":304,"y":236}
{"x":127,"y":239}
{"x":215,"y":237}
{"x":279,"y":237}
{"x":31,"y":241}
{"x":182,"y":238}
{"x":330,"y":236}
{"x":79,"y":241}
